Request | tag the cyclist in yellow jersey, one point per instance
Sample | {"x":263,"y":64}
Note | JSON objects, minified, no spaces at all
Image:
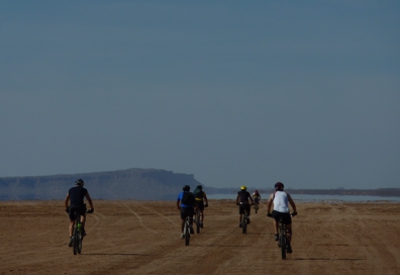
{"x":201,"y":197}
{"x":256,"y":196}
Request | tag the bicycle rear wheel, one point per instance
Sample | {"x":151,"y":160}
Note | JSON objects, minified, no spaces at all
{"x":198,"y":221}
{"x":75,"y":240}
{"x":244,"y":223}
{"x":79,"y":242}
{"x":187,"y":234}
{"x":282,"y":242}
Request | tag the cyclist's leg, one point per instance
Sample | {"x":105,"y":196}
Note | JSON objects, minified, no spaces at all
{"x":183,"y":217}
{"x":71,"y":221}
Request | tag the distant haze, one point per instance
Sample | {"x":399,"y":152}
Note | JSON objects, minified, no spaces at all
{"x":234,"y":93}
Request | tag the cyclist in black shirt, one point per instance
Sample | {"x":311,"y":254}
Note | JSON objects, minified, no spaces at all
{"x":76,"y":196}
{"x":242,"y":199}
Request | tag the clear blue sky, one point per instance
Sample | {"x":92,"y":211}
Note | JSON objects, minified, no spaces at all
{"x":234,"y":92}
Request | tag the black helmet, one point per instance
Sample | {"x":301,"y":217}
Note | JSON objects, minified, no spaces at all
{"x":200,"y":187}
{"x":79,"y":182}
{"x":186,"y":188}
{"x":279,"y":186}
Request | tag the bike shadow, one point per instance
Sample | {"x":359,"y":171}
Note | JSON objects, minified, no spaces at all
{"x":114,"y":254}
{"x":326,"y":259}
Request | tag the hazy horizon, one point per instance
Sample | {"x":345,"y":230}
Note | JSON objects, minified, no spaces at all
{"x":235,"y":93}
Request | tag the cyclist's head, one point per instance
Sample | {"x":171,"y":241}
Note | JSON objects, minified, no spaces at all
{"x":200,"y":187}
{"x":243,"y":187}
{"x":186,"y":188}
{"x":256,"y":192}
{"x":79,"y":182}
{"x":279,"y":186}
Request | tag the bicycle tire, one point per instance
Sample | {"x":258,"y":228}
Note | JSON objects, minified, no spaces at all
{"x":198,"y":221}
{"x":244,"y":223}
{"x":187,"y":233}
{"x":79,"y":242}
{"x":75,"y":240}
{"x":282,"y":241}
{"x":256,"y":208}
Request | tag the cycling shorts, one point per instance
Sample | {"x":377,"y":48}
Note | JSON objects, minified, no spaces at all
{"x":80,"y":210}
{"x":187,"y":211}
{"x":244,"y":206}
{"x":286,"y":218}
{"x":200,"y":205}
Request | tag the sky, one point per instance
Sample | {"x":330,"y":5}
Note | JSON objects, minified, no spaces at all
{"x":233,"y":92}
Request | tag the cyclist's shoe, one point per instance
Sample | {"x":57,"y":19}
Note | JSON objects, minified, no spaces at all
{"x":201,"y":224}
{"x":240,"y":224}
{"x":182,"y":236}
{"x":248,"y":220}
{"x":83,"y":233}
{"x":289,"y":248}
{"x":276,"y":237}
{"x":191,"y":230}
{"x":71,"y":241}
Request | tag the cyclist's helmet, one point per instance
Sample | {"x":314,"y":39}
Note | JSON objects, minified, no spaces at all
{"x":255,"y":192}
{"x":79,"y":182}
{"x":200,"y":187}
{"x":243,"y":187}
{"x":279,"y":186}
{"x":186,"y":188}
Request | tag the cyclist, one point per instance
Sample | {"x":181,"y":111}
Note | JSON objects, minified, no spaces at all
{"x":76,"y":196}
{"x":281,"y":201}
{"x":242,"y":199}
{"x":256,"y":196}
{"x":185,"y":203}
{"x":200,"y":198}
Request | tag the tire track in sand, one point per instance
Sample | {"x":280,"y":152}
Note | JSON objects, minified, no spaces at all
{"x":140,"y":220}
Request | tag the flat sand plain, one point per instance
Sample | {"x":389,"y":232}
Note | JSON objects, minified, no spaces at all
{"x":142,"y":237}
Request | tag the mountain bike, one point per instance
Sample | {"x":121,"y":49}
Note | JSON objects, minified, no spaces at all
{"x":186,"y":230}
{"x":283,"y":238}
{"x":77,"y":233}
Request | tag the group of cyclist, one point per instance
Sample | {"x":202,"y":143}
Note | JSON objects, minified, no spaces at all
{"x":188,"y":202}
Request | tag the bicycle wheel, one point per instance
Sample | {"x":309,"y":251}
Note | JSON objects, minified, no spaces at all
{"x":187,"y":233}
{"x":256,"y":208}
{"x":244,"y":223}
{"x":79,"y":242}
{"x":75,"y":241}
{"x":282,"y":242}
{"x":198,"y":221}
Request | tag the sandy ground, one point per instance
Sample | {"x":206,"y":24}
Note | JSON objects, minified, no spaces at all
{"x":132,"y":237}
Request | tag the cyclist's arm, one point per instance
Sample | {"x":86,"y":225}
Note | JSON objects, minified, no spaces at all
{"x":66,"y":201}
{"x":270,"y":203}
{"x":292,"y":203}
{"x":89,"y":199}
{"x":237,"y":199}
{"x":205,"y":197}
{"x":252,"y":202}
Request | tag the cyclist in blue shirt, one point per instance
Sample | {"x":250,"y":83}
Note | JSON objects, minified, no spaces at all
{"x":185,"y":203}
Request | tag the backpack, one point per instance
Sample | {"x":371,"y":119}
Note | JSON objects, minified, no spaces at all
{"x":188,"y":198}
{"x":198,"y":193}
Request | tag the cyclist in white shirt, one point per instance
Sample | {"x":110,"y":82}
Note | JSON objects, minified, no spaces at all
{"x":281,"y":201}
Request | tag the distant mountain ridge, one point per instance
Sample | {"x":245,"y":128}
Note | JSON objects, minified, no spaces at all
{"x":140,"y":184}
{"x":135,"y":183}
